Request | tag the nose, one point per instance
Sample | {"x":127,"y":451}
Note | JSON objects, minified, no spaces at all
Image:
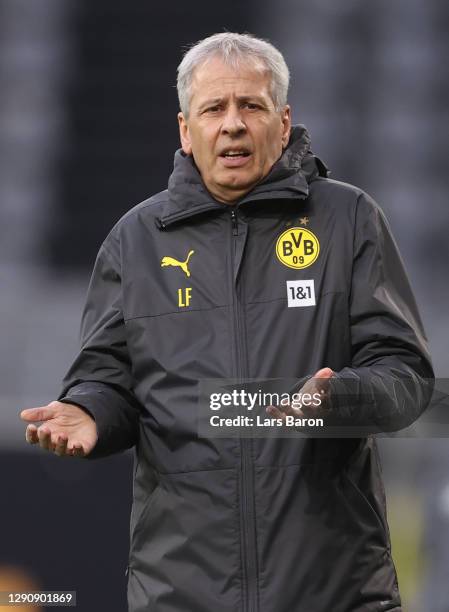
{"x":233,"y":124}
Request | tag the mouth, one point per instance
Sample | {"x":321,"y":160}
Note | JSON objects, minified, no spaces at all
{"x":234,"y":153}
{"x":234,"y":157}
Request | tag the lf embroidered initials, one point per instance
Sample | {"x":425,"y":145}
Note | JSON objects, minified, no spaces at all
{"x":184,"y":297}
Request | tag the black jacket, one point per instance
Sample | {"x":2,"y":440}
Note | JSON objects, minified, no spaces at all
{"x":255,"y":524}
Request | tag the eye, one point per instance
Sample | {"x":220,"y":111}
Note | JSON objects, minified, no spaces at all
{"x":213,"y":109}
{"x":251,"y":106}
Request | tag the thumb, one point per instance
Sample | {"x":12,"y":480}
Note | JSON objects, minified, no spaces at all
{"x":324,"y":373}
{"x":40,"y":413}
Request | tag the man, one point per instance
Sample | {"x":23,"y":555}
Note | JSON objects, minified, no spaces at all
{"x":252,"y":265}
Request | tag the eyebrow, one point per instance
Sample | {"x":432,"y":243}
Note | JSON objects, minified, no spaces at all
{"x":210,"y":102}
{"x":213,"y":101}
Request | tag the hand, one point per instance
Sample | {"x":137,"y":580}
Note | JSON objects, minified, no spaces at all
{"x":67,"y":429}
{"x":319,"y":383}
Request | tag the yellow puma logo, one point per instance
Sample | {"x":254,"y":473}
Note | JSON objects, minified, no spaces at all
{"x":171,"y":261}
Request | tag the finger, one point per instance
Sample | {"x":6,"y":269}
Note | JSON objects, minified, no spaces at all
{"x":77,"y":450}
{"x":44,"y":438}
{"x":319,"y":382}
{"x":289,"y":409}
{"x":277,"y":413}
{"x":31,"y":434}
{"x":296,"y":409}
{"x":60,"y":445}
{"x":274,"y":412}
{"x":296,"y":402}
{"x":41,"y":413}
{"x":324,"y":373}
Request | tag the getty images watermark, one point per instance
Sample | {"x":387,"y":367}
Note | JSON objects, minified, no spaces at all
{"x":241,"y":398}
{"x":257,"y":408}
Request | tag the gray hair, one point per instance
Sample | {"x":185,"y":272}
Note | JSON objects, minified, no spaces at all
{"x":234,"y":49}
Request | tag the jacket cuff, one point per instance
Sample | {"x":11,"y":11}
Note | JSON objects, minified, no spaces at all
{"x":117,"y":420}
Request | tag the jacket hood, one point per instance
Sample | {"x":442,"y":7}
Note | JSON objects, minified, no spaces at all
{"x":288,"y":178}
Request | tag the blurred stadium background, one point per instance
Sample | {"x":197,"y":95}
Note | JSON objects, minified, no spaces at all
{"x":88,"y":129}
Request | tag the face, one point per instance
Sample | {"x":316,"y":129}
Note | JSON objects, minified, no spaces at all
{"x":233,"y":130}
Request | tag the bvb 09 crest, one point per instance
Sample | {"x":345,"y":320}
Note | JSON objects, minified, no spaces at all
{"x":297,"y":248}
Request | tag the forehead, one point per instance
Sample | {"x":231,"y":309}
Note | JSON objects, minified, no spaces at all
{"x":214,"y":78}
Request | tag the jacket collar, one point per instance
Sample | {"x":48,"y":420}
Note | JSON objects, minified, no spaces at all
{"x":288,"y":178}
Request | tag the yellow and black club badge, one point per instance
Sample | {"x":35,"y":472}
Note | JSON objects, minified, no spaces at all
{"x":297,"y":248}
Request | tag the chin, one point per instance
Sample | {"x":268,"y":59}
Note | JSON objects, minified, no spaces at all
{"x":239,"y":182}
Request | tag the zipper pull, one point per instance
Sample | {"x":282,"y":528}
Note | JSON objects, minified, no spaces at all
{"x":235,"y":225}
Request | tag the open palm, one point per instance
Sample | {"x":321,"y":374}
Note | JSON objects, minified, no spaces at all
{"x":66,"y":429}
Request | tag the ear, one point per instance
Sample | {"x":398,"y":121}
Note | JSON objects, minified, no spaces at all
{"x":286,"y":125}
{"x":184,"y":134}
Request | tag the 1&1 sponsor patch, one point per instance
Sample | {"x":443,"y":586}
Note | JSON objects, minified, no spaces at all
{"x":301,"y":293}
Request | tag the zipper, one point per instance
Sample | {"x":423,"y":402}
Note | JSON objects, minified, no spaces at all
{"x":247,"y":514}
{"x":235,"y":224}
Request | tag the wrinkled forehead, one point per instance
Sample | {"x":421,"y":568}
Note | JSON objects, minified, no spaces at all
{"x":215,"y":71}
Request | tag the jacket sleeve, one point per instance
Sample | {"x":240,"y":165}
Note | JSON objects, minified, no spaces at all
{"x":389,"y":383}
{"x":100,"y":379}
